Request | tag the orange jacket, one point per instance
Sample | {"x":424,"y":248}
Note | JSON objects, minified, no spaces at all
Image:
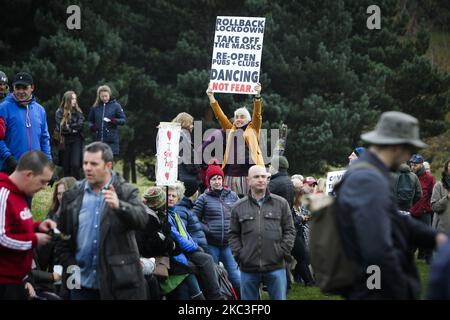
{"x":251,"y":133}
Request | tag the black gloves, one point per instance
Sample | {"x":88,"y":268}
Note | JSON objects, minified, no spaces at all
{"x":11,"y":164}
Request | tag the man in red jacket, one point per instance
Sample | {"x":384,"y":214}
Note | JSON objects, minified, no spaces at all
{"x":19,"y":234}
{"x":421,"y":210}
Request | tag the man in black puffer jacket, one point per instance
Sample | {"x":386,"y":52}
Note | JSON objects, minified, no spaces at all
{"x":280,"y":184}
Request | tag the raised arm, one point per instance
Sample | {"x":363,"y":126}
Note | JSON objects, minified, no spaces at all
{"x":257,"y":109}
{"x":220,"y":116}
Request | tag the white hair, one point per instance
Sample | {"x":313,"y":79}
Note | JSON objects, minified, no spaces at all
{"x":297,"y":176}
{"x":243,"y":111}
{"x":179,"y":189}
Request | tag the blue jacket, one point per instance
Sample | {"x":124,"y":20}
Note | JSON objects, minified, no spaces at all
{"x":186,"y":245}
{"x":213,"y":209}
{"x":374,"y":233}
{"x":20,"y":138}
{"x":107,"y":132}
{"x":190,"y":220}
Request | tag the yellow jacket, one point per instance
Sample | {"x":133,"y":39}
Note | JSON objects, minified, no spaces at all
{"x":251,"y":133}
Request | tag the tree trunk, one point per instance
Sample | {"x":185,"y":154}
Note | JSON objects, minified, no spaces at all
{"x":126,"y":169}
{"x":133,"y":168}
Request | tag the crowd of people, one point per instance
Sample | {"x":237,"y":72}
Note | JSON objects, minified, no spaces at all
{"x":230,"y":228}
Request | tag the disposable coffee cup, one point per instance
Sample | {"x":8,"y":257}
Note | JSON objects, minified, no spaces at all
{"x":59,"y":270}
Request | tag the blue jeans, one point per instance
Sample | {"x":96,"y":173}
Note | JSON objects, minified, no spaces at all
{"x":224,"y":254}
{"x":274,"y":280}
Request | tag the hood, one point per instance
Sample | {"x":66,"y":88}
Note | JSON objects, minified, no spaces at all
{"x":185,"y":202}
{"x":404,"y":168}
{"x":10,"y":98}
{"x":111,"y":101}
{"x":5,"y":182}
{"x":280,"y":173}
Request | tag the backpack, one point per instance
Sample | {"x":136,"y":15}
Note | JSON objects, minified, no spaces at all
{"x":226,"y":288}
{"x":334,"y":271}
{"x":404,"y":190}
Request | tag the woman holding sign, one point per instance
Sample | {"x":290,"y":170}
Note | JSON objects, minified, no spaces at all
{"x":242,"y":149}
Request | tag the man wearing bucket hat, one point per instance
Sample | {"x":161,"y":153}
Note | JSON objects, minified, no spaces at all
{"x":373,"y":232}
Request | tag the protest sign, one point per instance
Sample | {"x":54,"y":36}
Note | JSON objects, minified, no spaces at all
{"x":333,"y":178}
{"x":236,"y":59}
{"x":167,"y":149}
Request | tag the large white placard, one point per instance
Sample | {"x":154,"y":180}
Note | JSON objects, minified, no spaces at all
{"x":167,"y":149}
{"x":236,"y":59}
{"x":333,"y":178}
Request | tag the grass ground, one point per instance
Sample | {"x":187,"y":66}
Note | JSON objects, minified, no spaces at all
{"x":42,"y":200}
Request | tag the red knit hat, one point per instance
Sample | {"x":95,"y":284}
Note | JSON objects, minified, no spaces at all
{"x":213,"y":170}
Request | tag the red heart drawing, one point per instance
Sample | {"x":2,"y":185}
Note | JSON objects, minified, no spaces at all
{"x":167,"y":174}
{"x":169,"y":134}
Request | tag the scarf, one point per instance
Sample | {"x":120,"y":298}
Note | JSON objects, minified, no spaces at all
{"x":420,"y":172}
{"x":23,"y":103}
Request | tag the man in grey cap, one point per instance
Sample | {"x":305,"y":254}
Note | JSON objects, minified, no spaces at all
{"x":373,"y":232}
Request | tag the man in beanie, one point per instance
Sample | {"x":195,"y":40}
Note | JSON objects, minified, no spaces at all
{"x":356,"y":153}
{"x":213,"y":209}
{"x":280,"y":184}
{"x":155,"y":199}
{"x":373,"y":232}
{"x":155,"y":239}
{"x":4,"y":89}
{"x":32,"y":133}
{"x":421,"y":210}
